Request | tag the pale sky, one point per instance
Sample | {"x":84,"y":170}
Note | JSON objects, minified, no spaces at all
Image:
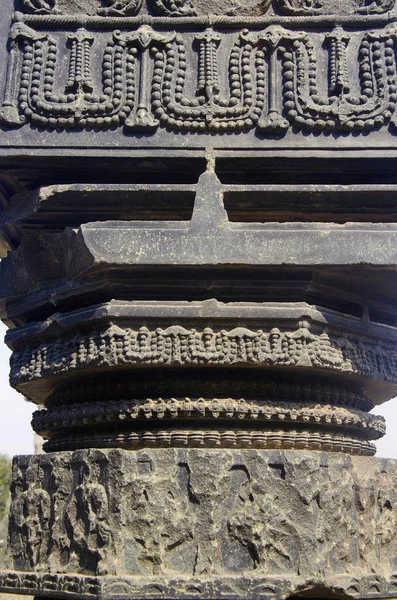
{"x":16,"y":436}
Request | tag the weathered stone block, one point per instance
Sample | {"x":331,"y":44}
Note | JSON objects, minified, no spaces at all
{"x":203,"y":523}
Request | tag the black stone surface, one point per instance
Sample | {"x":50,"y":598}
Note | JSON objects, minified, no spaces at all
{"x":198,"y":225}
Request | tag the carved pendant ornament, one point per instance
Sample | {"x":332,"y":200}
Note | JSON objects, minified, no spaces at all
{"x":142,"y":77}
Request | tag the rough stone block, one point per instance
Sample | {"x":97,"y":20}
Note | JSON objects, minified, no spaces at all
{"x":203,"y":524}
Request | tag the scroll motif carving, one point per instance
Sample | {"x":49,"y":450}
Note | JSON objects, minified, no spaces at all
{"x":77,"y":106}
{"x":179,"y":346}
{"x":210,"y":110}
{"x":267,"y":588}
{"x":66,"y":585}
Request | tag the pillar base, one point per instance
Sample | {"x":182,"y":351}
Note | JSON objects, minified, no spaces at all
{"x":185,"y":523}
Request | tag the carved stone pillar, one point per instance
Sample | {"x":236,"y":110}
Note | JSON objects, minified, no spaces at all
{"x":198,"y":208}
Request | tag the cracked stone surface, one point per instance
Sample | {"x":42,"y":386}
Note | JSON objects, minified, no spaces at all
{"x":205,"y":515}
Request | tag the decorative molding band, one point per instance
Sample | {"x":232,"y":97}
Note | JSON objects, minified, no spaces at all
{"x":115,"y":389}
{"x":247,"y":588}
{"x":66,"y":504}
{"x":48,"y":423}
{"x":117,"y":346}
{"x":67,"y":586}
{"x":289,"y":439}
{"x":46,"y":9}
{"x":163,"y":64}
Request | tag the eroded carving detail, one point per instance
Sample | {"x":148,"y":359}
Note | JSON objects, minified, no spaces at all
{"x":175,"y":8}
{"x":87,"y":522}
{"x":30,"y":516}
{"x":182,"y":8}
{"x":203,"y":515}
{"x":40,"y":7}
{"x":325,"y":7}
{"x":177,"y":345}
{"x":62,"y":518}
{"x":121,"y":8}
{"x":67,"y":586}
